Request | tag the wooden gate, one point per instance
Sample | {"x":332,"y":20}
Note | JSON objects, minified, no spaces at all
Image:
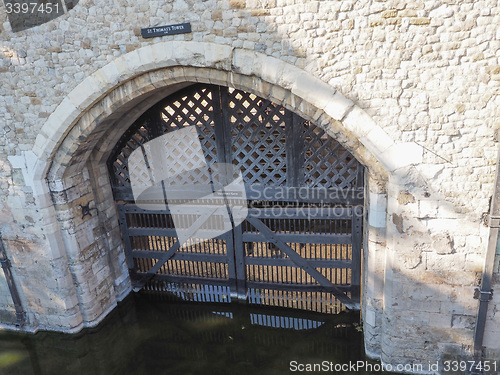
{"x":300,"y":245}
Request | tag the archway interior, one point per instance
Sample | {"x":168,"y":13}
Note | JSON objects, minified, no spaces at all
{"x":300,"y":245}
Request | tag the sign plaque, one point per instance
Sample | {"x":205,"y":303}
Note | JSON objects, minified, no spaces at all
{"x":151,"y":32}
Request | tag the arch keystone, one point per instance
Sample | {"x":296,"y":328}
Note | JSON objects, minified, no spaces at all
{"x":163,"y":55}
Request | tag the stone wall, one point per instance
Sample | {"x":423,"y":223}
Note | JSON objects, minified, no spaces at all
{"x":411,"y":88}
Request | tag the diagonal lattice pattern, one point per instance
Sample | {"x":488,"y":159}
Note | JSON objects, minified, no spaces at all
{"x":258,"y":138}
{"x":327,"y":163}
{"x":121,"y":173}
{"x":251,"y":132}
{"x":195,"y":108}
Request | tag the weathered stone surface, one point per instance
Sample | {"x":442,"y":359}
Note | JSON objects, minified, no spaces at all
{"x":442,"y":244}
{"x":413,"y":87}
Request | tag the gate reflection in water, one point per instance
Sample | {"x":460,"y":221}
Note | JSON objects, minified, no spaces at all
{"x":148,"y":334}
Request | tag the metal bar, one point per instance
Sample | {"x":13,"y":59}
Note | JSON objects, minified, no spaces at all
{"x":302,"y":263}
{"x":16,"y":299}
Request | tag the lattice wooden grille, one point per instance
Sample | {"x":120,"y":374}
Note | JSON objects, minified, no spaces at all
{"x":120,"y":175}
{"x":258,"y":138}
{"x":327,"y":163}
{"x":194,"y":108}
{"x":269,"y":144}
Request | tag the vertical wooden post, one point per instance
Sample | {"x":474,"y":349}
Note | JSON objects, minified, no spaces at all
{"x":240,"y":264}
{"x":356,"y":234}
{"x":294,"y":132}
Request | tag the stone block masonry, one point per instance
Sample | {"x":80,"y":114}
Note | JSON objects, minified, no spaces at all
{"x":410,"y":88}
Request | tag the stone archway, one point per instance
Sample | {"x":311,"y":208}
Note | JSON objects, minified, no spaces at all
{"x":76,"y":140}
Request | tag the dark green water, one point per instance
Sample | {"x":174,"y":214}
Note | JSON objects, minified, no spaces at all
{"x":148,"y":336}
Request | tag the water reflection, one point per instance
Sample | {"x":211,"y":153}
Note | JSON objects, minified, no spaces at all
{"x":146,"y":335}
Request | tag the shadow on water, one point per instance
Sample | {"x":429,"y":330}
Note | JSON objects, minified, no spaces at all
{"x":147,"y":335}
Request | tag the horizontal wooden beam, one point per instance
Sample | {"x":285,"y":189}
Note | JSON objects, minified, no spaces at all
{"x":284,"y":262}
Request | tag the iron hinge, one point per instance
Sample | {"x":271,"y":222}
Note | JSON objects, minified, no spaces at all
{"x":482,"y":295}
{"x":5,"y":263}
{"x":86,"y":210}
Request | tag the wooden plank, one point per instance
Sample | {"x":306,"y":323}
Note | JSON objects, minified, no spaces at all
{"x":280,"y":212}
{"x":356,"y":246}
{"x":313,"y":238}
{"x":301,"y":262}
{"x":304,"y":194}
{"x":194,"y":257}
{"x":190,"y":279}
{"x":231,"y":248}
{"x":122,"y":220}
{"x":290,"y":154}
{"x":123,"y":193}
{"x":360,"y":178}
{"x":223,"y":131}
{"x":199,"y":209}
{"x":278,"y":193}
{"x":240,"y":263}
{"x":297,"y":160}
{"x":170,"y":232}
{"x":283,"y":262}
{"x":296,"y":287}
